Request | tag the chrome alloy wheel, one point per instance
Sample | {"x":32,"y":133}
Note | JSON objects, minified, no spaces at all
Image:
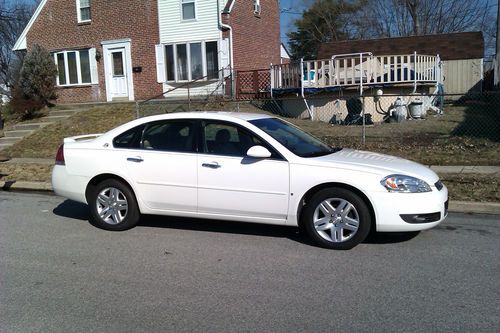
{"x":336,"y":220}
{"x":112,"y":205}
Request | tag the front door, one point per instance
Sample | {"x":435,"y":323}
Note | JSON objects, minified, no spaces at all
{"x":234,"y":185}
{"x":118,"y":74}
{"x":118,"y":70}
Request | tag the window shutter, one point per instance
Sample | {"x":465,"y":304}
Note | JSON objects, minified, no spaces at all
{"x":93,"y":66}
{"x":160,"y":63}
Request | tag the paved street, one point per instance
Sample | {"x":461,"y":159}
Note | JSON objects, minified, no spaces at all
{"x":58,"y":273}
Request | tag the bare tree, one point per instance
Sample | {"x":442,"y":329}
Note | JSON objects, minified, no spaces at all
{"x":13,"y":18}
{"x":390,"y":18}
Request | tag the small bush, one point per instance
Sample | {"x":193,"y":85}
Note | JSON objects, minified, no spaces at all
{"x":37,"y":83}
{"x":23,"y":107}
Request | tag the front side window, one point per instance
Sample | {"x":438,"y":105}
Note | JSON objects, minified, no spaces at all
{"x":73,"y":67}
{"x":225,"y":139}
{"x":192,"y":61}
{"x":83,"y":8}
{"x":188,"y":10}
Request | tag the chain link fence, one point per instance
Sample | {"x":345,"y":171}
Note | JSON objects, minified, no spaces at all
{"x":447,"y":129}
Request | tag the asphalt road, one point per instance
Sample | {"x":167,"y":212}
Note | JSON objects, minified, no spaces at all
{"x":58,"y":273}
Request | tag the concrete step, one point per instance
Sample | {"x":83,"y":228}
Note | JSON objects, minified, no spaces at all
{"x":68,"y":112}
{"x":5,"y":145}
{"x":21,"y":133}
{"x":30,"y":126}
{"x":10,"y":140}
{"x":53,"y":118}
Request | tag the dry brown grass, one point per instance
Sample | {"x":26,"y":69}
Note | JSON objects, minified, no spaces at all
{"x":434,"y":141}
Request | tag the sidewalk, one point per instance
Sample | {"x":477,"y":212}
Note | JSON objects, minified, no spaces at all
{"x":454,"y":206}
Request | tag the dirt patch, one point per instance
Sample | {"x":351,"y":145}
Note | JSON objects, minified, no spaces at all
{"x":25,"y":172}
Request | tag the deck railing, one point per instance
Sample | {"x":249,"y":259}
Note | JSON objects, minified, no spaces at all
{"x":357,"y":70}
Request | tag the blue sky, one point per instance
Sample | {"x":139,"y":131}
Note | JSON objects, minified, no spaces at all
{"x":289,"y":10}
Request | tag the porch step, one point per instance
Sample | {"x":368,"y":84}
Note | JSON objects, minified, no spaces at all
{"x":66,"y":112}
{"x":10,"y":140}
{"x":53,"y":118}
{"x":20,"y":133}
{"x":5,"y":145}
{"x":30,"y":126}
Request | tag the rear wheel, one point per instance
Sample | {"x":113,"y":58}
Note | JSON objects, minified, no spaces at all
{"x":336,"y":218}
{"x":113,"y":206}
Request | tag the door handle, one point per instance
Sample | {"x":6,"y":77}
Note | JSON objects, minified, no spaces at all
{"x":213,"y":165}
{"x":136,"y":159}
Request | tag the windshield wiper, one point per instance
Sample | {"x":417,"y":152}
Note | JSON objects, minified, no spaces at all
{"x":321,"y":153}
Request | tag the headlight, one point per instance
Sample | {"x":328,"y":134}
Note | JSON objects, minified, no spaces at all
{"x":405,"y":184}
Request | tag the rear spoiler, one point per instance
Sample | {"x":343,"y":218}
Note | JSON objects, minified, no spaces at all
{"x":82,"y":138}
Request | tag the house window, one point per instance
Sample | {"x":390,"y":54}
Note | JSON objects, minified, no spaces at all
{"x":192,"y":61}
{"x":256,"y":7}
{"x":83,"y":8}
{"x":188,"y":9}
{"x":74,"y":67}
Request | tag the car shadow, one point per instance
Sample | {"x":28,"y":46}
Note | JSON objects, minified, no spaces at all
{"x":78,"y":211}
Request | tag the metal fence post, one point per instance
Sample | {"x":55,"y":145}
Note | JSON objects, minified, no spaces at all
{"x":189,"y":98}
{"x":363,"y":141}
{"x":137,"y":115}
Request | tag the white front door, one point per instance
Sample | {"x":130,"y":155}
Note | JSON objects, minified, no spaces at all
{"x":232,"y":184}
{"x":118,"y":74}
{"x":118,"y":70}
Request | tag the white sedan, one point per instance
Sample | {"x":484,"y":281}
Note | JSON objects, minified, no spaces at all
{"x":245,"y":167}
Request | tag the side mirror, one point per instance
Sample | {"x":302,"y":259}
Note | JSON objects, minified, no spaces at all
{"x":258,"y":152}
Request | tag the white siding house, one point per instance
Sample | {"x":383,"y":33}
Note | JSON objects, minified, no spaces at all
{"x":191,"y":47}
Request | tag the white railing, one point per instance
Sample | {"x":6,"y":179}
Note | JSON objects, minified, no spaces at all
{"x":357,"y":70}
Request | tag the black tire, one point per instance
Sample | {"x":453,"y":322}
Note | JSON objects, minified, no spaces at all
{"x":337,"y":233}
{"x":121,"y":218}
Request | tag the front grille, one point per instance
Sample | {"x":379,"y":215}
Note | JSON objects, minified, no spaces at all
{"x":439,"y":185}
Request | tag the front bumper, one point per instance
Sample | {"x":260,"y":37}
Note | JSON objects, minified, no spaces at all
{"x":400,"y":212}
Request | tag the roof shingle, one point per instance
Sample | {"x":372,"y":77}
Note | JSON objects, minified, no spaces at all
{"x":452,"y":46}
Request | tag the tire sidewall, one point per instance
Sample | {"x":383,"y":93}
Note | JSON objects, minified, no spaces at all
{"x":354,"y":199}
{"x":133,"y":215}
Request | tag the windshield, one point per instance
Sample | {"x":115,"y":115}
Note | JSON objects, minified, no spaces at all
{"x":293,"y":138}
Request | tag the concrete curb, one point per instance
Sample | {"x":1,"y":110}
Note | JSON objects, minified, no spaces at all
{"x":25,"y":186}
{"x":454,"y":206}
{"x":474,"y":207}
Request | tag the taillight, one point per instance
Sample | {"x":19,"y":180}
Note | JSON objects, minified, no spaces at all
{"x":60,"y":155}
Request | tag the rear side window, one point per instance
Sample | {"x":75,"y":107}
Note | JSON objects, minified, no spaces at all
{"x":172,"y":135}
{"x":130,"y":139}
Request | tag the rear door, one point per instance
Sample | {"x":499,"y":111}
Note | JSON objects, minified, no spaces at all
{"x":164,"y":167}
{"x":232,"y":184}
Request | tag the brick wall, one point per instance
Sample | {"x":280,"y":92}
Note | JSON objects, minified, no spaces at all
{"x":256,"y":39}
{"x":57,"y":29}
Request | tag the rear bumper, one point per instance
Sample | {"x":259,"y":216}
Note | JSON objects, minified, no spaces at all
{"x":69,"y":186}
{"x":400,"y":212}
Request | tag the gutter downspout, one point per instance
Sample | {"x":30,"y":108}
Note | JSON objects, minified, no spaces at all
{"x":231,"y":61}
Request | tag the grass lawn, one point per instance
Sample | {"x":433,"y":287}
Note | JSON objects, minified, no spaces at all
{"x":465,"y":135}
{"x":436,"y":141}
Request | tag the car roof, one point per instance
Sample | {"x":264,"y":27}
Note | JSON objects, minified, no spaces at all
{"x":222,"y":115}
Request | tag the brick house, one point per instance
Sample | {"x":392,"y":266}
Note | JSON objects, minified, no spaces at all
{"x":142,"y":48}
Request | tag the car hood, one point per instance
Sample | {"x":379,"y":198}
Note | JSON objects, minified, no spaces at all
{"x":381,"y":164}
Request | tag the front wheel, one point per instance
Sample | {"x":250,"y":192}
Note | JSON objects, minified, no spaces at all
{"x":113,"y":206}
{"x":336,"y":218}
